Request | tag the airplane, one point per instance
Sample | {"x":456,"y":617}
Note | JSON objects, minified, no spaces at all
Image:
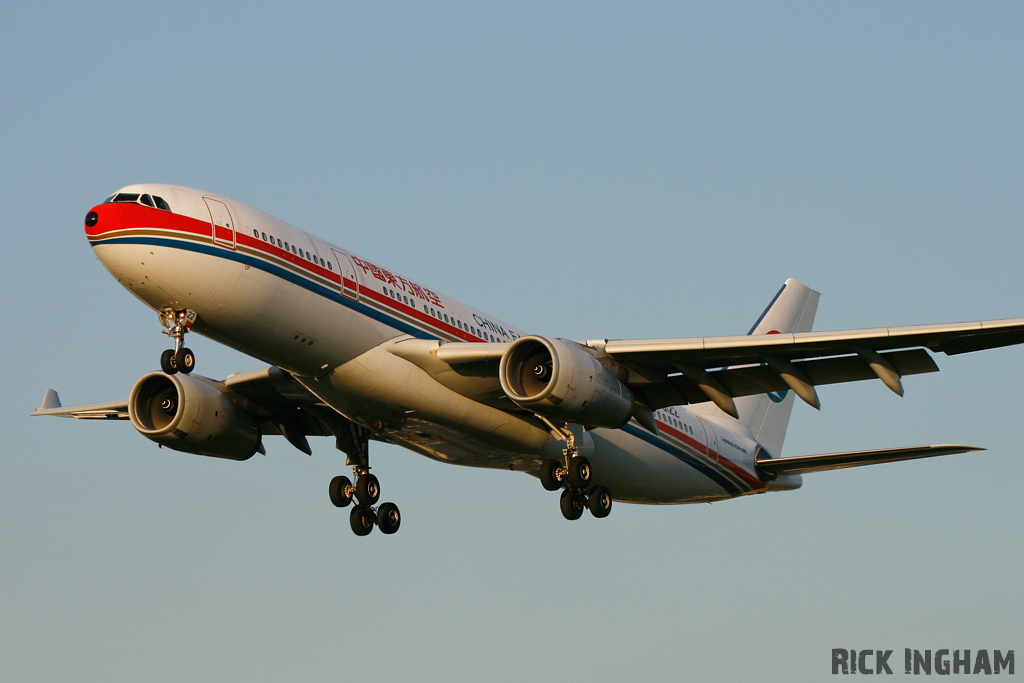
{"x":360,"y":353}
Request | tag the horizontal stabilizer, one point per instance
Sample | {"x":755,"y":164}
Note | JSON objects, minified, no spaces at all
{"x":804,"y":464}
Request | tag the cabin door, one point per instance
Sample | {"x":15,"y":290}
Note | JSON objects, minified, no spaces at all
{"x":222,"y":227}
{"x":349,"y":278}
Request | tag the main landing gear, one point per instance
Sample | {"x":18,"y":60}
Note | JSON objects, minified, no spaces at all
{"x":180,"y":358}
{"x":573,"y":475}
{"x":366,"y":491}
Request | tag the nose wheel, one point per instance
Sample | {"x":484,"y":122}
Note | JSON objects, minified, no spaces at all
{"x":180,"y":358}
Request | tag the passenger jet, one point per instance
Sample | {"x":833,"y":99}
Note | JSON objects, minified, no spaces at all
{"x":360,"y":353}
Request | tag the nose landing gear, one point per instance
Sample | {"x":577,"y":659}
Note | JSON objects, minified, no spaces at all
{"x":180,"y":358}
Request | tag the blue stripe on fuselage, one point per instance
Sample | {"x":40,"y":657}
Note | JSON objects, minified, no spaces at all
{"x":694,"y":462}
{"x":277,"y":271}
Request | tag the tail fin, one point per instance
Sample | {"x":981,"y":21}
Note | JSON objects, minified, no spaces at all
{"x":767,"y":415}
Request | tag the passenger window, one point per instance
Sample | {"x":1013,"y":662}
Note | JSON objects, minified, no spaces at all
{"x":161,"y":204}
{"x":329,"y":266}
{"x":300,"y":252}
{"x":446,"y":317}
{"x":322,"y":263}
{"x":264,"y":236}
{"x":256,"y":234}
{"x":286,"y":246}
{"x":279,"y":241}
{"x":293,"y":249}
{"x":147,"y":200}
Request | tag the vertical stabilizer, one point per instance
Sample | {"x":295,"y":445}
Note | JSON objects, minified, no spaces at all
{"x":767,"y":415}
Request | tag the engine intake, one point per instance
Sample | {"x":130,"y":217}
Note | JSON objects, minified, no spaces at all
{"x":559,"y":379}
{"x":189,"y":414}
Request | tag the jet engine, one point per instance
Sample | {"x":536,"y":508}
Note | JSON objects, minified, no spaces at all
{"x":189,"y":414}
{"x":559,"y":379}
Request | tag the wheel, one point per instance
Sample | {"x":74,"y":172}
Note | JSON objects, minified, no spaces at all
{"x":361,"y":519}
{"x":341,"y":491}
{"x":388,"y":518}
{"x":367,"y":489}
{"x":167,"y":362}
{"x":548,"y":477}
{"x":571,"y":504}
{"x":185,"y":360}
{"x":600,"y":502}
{"x":579,"y":471}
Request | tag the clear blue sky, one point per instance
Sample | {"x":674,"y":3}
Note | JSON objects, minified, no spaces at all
{"x":581,"y":170}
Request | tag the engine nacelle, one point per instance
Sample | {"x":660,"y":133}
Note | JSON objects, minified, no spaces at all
{"x":187,"y":414}
{"x":558,"y":379}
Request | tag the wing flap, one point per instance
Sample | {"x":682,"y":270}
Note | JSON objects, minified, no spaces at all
{"x":805,"y":464}
{"x":711,"y":352}
{"x":760,"y":379}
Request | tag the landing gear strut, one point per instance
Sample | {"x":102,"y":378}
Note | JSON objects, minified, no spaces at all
{"x":573,"y":474}
{"x":180,"y":358}
{"x":354,"y":440}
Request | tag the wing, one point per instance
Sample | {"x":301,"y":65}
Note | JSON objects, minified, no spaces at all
{"x":667,"y":372}
{"x":114,"y":410}
{"x":717,"y":368}
{"x":274,"y":398}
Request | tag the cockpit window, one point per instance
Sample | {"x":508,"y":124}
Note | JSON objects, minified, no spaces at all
{"x":135,"y":198}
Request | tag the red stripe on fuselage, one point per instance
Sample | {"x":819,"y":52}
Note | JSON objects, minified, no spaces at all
{"x":117,"y":217}
{"x":723,"y":461}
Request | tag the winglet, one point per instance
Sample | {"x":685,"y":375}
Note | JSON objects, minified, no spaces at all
{"x":50,"y":400}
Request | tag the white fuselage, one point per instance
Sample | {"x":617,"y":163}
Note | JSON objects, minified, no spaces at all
{"x":296,"y":301}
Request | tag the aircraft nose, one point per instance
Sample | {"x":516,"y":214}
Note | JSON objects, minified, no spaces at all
{"x":92,"y":219}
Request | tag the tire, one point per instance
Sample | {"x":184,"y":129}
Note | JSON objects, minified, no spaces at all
{"x":600,"y":502}
{"x":185,"y":360}
{"x":167,"y":362}
{"x":367,"y":489}
{"x":341,"y":491}
{"x":362,"y":520}
{"x":548,"y":479}
{"x":572,"y":505}
{"x":579,"y":472}
{"x":388,"y":518}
